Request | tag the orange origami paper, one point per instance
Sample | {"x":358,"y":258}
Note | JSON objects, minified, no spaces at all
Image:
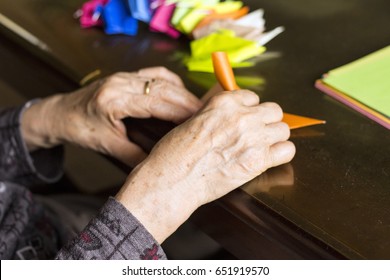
{"x":223,"y":71}
{"x":295,"y":121}
{"x":215,"y":16}
{"x":225,"y":76}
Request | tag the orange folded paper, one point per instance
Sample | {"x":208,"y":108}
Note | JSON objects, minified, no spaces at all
{"x":295,"y":121}
{"x":223,"y":71}
{"x":215,"y":16}
{"x":225,"y":76}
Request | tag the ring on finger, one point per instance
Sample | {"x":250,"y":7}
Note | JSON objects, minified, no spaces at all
{"x":147,"y":86}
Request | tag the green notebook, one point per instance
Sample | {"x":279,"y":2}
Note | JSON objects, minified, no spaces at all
{"x":363,"y":84}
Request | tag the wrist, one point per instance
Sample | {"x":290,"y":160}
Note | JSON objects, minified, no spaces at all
{"x":161,"y":206}
{"x":40,"y":123}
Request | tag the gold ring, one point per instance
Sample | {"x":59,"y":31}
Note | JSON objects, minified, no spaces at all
{"x":147,"y":87}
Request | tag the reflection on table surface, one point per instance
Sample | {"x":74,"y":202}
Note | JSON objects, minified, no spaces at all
{"x":337,"y":189}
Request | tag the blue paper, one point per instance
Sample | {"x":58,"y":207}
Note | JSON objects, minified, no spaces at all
{"x":140,"y":9}
{"x":117,"y":18}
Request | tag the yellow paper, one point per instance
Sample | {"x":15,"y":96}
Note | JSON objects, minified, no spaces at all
{"x":237,"y":49}
{"x":191,"y":19}
{"x":366,"y":80}
{"x":183,"y":7}
{"x":227,"y":7}
{"x":193,"y":16}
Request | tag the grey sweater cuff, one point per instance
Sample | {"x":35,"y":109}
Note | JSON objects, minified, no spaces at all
{"x":114,"y":234}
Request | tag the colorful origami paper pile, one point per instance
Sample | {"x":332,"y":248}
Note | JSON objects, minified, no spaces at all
{"x":214,"y":25}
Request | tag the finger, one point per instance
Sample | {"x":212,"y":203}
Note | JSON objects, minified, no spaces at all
{"x":131,"y":82}
{"x":246,"y":97}
{"x":161,"y":73}
{"x":173,"y":94}
{"x":277,"y":132}
{"x":127,"y":152}
{"x":135,"y":98}
{"x":281,"y":153}
{"x":150,"y":106}
{"x":270,"y":112}
{"x":169,"y":112}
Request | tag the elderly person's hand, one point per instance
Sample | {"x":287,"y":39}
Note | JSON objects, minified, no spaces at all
{"x":231,"y":140}
{"x":91,"y":117}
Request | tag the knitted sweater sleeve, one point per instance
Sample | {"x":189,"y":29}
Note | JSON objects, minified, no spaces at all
{"x":113,"y":234}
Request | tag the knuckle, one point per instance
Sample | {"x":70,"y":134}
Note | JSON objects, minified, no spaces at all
{"x":274,"y":108}
{"x":249,"y":93}
{"x":103,"y":96}
{"x":159,"y":87}
{"x":250,"y":166}
{"x":100,"y":100}
{"x":112,"y":79}
{"x":221,"y":99}
{"x":252,"y":162}
{"x":242,"y":123}
{"x":255,"y":97}
{"x":162,"y":70}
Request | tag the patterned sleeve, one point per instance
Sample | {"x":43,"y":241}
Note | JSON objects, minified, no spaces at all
{"x":114,"y":234}
{"x":16,"y":163}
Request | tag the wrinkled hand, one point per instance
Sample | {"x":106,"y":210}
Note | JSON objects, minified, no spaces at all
{"x":230,"y":141}
{"x":91,"y":116}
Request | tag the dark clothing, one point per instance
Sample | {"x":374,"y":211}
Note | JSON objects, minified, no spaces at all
{"x":28,"y":230}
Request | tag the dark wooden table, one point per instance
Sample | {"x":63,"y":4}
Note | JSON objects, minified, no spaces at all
{"x":333,"y":200}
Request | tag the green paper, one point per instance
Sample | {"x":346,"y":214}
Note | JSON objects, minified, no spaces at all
{"x":182,"y":9}
{"x":237,"y":49}
{"x":191,"y":19}
{"x":178,"y":15}
{"x":187,"y":16}
{"x":366,"y":80}
{"x":187,"y":20}
{"x":227,"y":7}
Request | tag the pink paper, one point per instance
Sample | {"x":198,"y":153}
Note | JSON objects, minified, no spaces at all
{"x":89,"y":18}
{"x":161,"y":20}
